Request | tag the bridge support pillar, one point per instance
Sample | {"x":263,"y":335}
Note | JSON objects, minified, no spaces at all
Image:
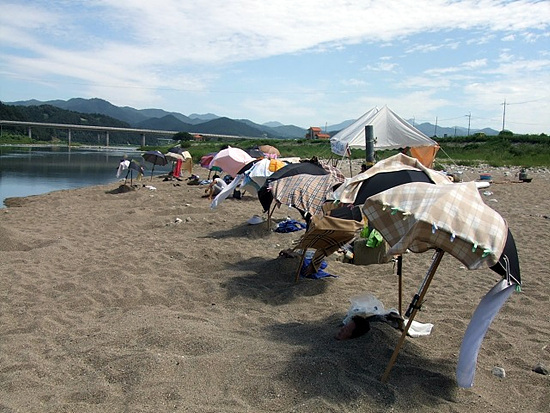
{"x":142,"y":139}
{"x":107,"y":138}
{"x":70,"y":136}
{"x":30,"y":132}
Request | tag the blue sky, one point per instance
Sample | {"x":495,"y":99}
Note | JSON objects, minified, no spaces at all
{"x":306,"y":63}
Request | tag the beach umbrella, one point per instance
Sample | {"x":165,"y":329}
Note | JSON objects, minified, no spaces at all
{"x":254,"y":152}
{"x":248,"y":166}
{"x":257,"y":175}
{"x":291,"y":169}
{"x":173,"y":156}
{"x":448,"y":219}
{"x":156,"y":158}
{"x":133,"y":165}
{"x":231,"y":160}
{"x":181,"y":159}
{"x":206,"y":160}
{"x":176,"y":149}
{"x":306,"y":193}
{"x":388,"y":173}
{"x":269,"y":151}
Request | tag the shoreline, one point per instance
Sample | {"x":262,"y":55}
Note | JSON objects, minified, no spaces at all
{"x":64,"y":145}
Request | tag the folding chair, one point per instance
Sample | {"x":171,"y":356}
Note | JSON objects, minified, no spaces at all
{"x":325,"y":235}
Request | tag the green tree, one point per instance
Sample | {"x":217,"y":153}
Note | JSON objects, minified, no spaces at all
{"x":182,"y":136}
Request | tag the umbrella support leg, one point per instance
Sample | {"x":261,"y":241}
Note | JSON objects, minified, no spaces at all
{"x":302,"y":259}
{"x":400,"y":282}
{"x":413,"y":309}
{"x":269,"y":213}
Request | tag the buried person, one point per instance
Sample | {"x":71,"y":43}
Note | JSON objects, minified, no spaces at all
{"x":364,"y":310}
{"x":358,"y":325}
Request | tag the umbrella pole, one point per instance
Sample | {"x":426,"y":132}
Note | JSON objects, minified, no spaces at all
{"x":269,"y":213}
{"x":153,"y":170}
{"x":400,"y":282}
{"x":413,"y":309}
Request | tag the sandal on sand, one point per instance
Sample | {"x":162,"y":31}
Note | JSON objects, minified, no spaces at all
{"x":288,"y":254}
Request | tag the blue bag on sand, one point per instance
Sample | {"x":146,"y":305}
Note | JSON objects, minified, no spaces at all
{"x":289,"y":225}
{"x":319,"y":274}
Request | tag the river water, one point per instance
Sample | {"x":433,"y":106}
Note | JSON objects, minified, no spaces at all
{"x":34,"y":170}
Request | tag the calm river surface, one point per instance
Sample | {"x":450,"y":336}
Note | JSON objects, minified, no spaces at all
{"x":37,"y":170}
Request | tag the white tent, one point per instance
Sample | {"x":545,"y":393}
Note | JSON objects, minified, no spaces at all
{"x":390,"y":132}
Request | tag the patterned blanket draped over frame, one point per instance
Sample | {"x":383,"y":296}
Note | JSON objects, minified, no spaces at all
{"x":307,"y":193}
{"x":420,"y":216}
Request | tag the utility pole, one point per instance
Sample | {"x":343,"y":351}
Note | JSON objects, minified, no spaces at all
{"x":469,"y":119}
{"x":435,"y":129}
{"x":503,"y":113}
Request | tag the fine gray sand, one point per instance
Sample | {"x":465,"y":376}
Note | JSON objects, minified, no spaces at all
{"x":110,"y":304}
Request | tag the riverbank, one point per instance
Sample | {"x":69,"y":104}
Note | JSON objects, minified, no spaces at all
{"x":148,"y":300}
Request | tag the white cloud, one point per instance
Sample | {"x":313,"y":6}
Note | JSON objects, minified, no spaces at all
{"x":136,"y":51}
{"x":475,"y":64}
{"x":354,"y":82}
{"x":382,"y":67}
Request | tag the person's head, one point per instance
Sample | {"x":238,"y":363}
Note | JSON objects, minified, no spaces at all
{"x":363,"y":167}
{"x":357,"y":327}
{"x":215,"y":176}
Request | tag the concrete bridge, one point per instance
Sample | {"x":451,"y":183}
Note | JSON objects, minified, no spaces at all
{"x":107,"y":129}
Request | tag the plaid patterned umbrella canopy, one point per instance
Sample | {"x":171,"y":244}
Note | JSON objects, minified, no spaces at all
{"x":454,"y":218}
{"x":307,"y":193}
{"x":349,"y":192}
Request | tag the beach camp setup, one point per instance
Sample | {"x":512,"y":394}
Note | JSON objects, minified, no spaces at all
{"x":452,"y":219}
{"x":390,"y":132}
{"x":413,"y":207}
{"x":418,"y":209}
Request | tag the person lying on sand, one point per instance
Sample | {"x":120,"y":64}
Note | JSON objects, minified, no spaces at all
{"x":359,"y":326}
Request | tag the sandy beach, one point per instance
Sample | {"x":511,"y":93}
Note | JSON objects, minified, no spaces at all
{"x":150,"y":301}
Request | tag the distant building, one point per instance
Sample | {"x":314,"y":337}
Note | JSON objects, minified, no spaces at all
{"x":315,"y":132}
{"x":198,"y":138}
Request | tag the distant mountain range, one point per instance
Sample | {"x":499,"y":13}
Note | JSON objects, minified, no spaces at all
{"x":159,"y":119}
